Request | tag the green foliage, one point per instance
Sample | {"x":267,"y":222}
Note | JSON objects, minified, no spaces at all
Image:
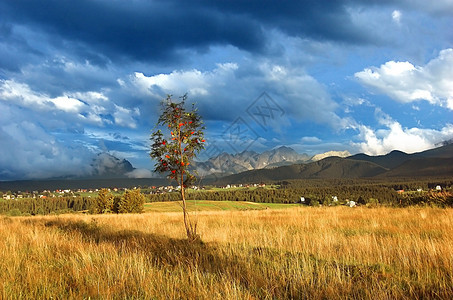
{"x":365,"y":192}
{"x":314,"y":203}
{"x":132,"y":201}
{"x":41,"y":206}
{"x":372,"y":202}
{"x":14,"y":212}
{"x":372,"y":192}
{"x":431,"y":198}
{"x":181,"y":139}
{"x":116,"y":204}
{"x":103,"y":202}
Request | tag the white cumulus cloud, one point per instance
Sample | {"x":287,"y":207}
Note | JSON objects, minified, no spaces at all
{"x":125,"y":117}
{"x":393,"y":136}
{"x":21,"y":94}
{"x":396,"y":16}
{"x":84,"y":106}
{"x":68,"y":104}
{"x":194,"y":82}
{"x":404,"y":82}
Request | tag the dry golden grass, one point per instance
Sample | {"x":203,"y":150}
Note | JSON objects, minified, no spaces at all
{"x":299,"y":253}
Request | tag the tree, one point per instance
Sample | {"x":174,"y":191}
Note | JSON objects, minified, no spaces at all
{"x":103,"y":202}
{"x":132,"y":201}
{"x":174,"y":148}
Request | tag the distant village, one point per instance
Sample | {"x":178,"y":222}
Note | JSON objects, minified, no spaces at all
{"x":152,"y":190}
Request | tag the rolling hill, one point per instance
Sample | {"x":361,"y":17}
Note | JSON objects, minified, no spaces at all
{"x":422,"y":167}
{"x":388,"y":161}
{"x":396,"y":158}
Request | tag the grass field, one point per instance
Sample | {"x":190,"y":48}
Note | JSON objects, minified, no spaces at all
{"x":205,"y":205}
{"x":298,"y":253}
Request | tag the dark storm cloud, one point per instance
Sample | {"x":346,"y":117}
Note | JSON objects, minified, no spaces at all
{"x":320,"y":20}
{"x":139,"y":30}
{"x":12,"y":47}
{"x":156,"y":30}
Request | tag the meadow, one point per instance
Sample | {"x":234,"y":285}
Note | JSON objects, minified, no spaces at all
{"x":298,"y":253}
{"x":207,"y":205}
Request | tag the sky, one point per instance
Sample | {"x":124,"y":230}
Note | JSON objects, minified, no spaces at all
{"x":78,"y":78}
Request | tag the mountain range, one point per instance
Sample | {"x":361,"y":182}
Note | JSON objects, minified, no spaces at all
{"x":328,"y":164}
{"x":105,"y":165}
{"x":277,"y":164}
{"x":228,"y":164}
{"x":436,"y":162}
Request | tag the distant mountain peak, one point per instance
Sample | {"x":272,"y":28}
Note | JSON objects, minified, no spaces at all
{"x":226,"y":163}
{"x":106,"y":165}
{"x":330,"y":153}
{"x":445,"y":143}
{"x":397,"y":152}
{"x":283,"y":148}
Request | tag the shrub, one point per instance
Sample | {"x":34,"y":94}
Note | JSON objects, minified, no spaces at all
{"x":103,"y":203}
{"x":372,"y":202}
{"x":14,"y":212}
{"x":314,"y":203}
{"x":132,"y":201}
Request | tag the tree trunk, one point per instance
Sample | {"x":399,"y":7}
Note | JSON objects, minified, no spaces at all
{"x":191,"y":229}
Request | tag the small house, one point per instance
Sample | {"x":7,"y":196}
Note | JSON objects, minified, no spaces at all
{"x":351,"y":203}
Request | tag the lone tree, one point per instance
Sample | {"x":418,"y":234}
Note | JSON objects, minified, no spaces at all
{"x":174,"y":147}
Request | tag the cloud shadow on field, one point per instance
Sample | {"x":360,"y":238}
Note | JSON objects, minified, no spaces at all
{"x":173,"y":253}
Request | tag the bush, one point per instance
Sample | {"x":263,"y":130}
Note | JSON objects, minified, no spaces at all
{"x":132,"y":201}
{"x":372,"y":202}
{"x":314,"y":203}
{"x":103,"y":203}
{"x":116,"y":204}
{"x":14,"y":212}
